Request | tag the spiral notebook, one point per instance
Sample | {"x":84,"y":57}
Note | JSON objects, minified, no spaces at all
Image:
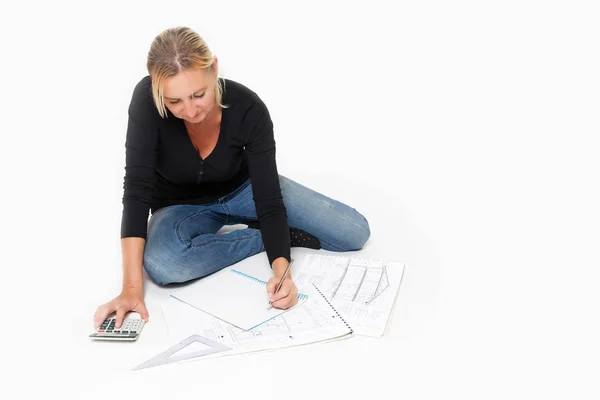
{"x":232,"y":296}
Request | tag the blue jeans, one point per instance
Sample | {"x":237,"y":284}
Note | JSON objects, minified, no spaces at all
{"x":183,"y":244}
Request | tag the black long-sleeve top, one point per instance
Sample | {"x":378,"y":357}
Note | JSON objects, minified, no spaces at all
{"x":163,"y":167}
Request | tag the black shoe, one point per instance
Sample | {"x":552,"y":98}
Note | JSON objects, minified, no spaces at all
{"x":298,"y":237}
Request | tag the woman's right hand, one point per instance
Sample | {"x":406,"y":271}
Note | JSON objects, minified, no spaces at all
{"x":128,"y":300}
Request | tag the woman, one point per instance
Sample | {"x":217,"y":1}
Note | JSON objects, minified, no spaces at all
{"x":200,"y":154}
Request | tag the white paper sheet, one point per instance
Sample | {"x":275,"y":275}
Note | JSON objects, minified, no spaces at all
{"x":233,"y":296}
{"x":313,"y":321}
{"x":363,"y":291}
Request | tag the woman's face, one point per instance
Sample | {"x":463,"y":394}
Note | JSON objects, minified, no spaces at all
{"x":190,"y":95}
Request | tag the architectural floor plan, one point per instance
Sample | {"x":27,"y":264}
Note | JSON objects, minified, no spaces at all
{"x":363,"y":291}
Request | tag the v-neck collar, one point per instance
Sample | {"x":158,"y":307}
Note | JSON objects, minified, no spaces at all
{"x":191,"y":144}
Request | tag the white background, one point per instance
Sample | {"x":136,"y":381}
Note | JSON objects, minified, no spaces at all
{"x":465,"y":131}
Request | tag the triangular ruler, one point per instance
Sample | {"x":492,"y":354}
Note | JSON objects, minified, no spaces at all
{"x":166,"y":357}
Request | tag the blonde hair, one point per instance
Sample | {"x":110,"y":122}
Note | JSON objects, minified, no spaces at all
{"x":172,"y":51}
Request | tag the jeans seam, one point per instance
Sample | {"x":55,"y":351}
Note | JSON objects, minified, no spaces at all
{"x":226,"y":212}
{"x":178,"y":228}
{"x":212,"y":240}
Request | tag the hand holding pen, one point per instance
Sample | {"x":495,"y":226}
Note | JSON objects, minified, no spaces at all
{"x":282,"y":291}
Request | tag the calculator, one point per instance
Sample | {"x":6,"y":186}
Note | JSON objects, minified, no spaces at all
{"x":130,"y":329}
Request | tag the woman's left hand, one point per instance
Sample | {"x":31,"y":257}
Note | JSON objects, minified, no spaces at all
{"x":286,"y":297}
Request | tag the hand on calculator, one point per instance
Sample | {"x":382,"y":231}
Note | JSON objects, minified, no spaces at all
{"x":128,"y":300}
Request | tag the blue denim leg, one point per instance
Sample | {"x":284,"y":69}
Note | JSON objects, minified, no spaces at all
{"x":182,"y":243}
{"x":338,"y":226}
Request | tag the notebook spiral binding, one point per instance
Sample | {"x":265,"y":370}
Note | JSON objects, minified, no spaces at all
{"x":334,"y":310}
{"x":248,"y":276}
{"x":301,"y":296}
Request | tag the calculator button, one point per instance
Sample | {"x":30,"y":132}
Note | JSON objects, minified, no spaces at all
{"x":124,"y":331}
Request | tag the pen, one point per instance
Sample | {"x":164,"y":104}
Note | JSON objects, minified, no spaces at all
{"x":281,"y":281}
